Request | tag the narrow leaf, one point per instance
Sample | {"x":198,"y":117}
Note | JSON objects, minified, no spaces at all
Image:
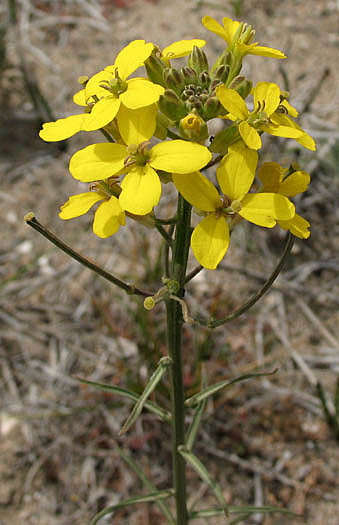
{"x":194,"y":426}
{"x":244,"y":511}
{"x":147,"y":483}
{"x":196,"y":464}
{"x":210,"y":390}
{"x":154,"y":380}
{"x":154,"y":496}
{"x":152,"y":407}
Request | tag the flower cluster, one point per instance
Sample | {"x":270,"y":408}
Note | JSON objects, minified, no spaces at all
{"x":157,"y":130}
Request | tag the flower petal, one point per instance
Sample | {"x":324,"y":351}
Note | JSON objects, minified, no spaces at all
{"x":237,"y":171}
{"x":93,"y":86}
{"x":270,"y":175}
{"x":79,"y":98}
{"x":63,"y":128}
{"x":230,"y":27}
{"x":210,"y":240}
{"x":295,"y":183}
{"x":215,"y":27}
{"x":179,"y":156}
{"x":137,"y":125}
{"x":255,"y":49}
{"x":141,"y":190}
{"x":79,"y":204}
{"x":102,"y":113}
{"x":197,"y":190}
{"x":249,"y":135}
{"x":266,"y":97}
{"x":131,"y":58}
{"x":265,"y":209}
{"x":232,"y":102}
{"x":97,"y":162}
{"x":181,"y":48}
{"x":108,"y":218}
{"x":298,"y":226}
{"x":141,"y":93}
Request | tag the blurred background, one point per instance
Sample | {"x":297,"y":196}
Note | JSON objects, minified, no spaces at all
{"x":267,"y":441}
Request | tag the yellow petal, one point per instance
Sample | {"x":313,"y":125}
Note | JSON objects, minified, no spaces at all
{"x":298,"y":226}
{"x":265,"y":209}
{"x":63,"y":128}
{"x":255,"y":49}
{"x":197,"y":190}
{"x":181,"y":48}
{"x":141,"y":93}
{"x":230,"y":27}
{"x":97,"y":162}
{"x":102,"y":113}
{"x":307,"y":141}
{"x":179,"y":156}
{"x":108,"y":218}
{"x":131,"y":58}
{"x":215,"y":27}
{"x":232,"y":101}
{"x":291,"y":110}
{"x":141,"y":190}
{"x":79,"y":98}
{"x":266,"y":97}
{"x":210,"y":240}
{"x":295,"y":183}
{"x":282,"y":131}
{"x":79,"y":204}
{"x":270,"y":175}
{"x":249,"y":135}
{"x":137,"y":125}
{"x":93,"y":86}
{"x":237,"y":171}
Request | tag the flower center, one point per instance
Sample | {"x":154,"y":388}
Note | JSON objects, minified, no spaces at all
{"x":115,"y":85}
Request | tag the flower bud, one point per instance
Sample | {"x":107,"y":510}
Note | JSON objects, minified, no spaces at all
{"x":241,"y":85}
{"x":173,"y":79}
{"x":204,"y":79}
{"x":197,"y":60}
{"x":172,"y":106}
{"x":221,"y":73}
{"x":162,"y":124}
{"x":189,"y":75}
{"x":193,"y":103}
{"x":215,"y":83}
{"x":212,"y":108}
{"x":154,"y":68}
{"x":83,"y":79}
{"x":193,"y":128}
{"x":225,"y":59}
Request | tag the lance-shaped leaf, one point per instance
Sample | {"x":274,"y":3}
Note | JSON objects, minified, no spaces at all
{"x":200,"y":469}
{"x":210,"y":390}
{"x":154,"y":496}
{"x":243,"y":511}
{"x":147,"y":483}
{"x":152,"y":407}
{"x":154,"y":380}
{"x":194,"y":426}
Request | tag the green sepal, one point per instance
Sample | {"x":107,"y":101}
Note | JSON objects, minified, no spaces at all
{"x":172,"y":106}
{"x":225,"y":138}
{"x":164,"y":363}
{"x":154,"y":69}
{"x":153,"y":496}
{"x":197,"y":60}
{"x":174,"y":80}
{"x":152,"y":407}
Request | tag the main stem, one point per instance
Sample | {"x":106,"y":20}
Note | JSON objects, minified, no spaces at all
{"x":174,"y":340}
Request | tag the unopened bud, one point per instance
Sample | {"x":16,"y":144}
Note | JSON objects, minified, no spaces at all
{"x":194,"y":128}
{"x":225,"y":59}
{"x":193,"y":103}
{"x":197,"y":60}
{"x":204,"y":79}
{"x":162,"y":124}
{"x":241,"y":85}
{"x":173,"y":79}
{"x":221,"y":73}
{"x":172,"y":106}
{"x":212,"y":108}
{"x":149,"y":303}
{"x":154,"y":68}
{"x":83,"y":79}
{"x":189,"y":75}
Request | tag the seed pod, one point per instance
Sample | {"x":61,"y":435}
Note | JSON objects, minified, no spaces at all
{"x":197,"y":60}
{"x":172,"y":106}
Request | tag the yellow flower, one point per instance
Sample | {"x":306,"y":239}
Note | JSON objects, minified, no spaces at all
{"x":210,"y":238}
{"x":108,"y":217}
{"x":264,"y":117}
{"x":180,"y":49}
{"x":275,"y":179}
{"x":106,"y":92}
{"x":141,"y":186}
{"x":238,"y":37}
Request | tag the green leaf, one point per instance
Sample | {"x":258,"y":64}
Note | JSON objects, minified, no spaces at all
{"x":154,"y":496}
{"x":164,"y":363}
{"x":244,"y":511}
{"x":194,"y":426}
{"x":147,"y":483}
{"x":152,"y":407}
{"x":210,"y":390}
{"x":196,"y":464}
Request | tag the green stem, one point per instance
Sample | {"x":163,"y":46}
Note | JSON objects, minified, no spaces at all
{"x":174,"y":339}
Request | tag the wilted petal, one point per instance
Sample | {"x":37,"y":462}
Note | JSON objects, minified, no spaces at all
{"x":210,"y":240}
